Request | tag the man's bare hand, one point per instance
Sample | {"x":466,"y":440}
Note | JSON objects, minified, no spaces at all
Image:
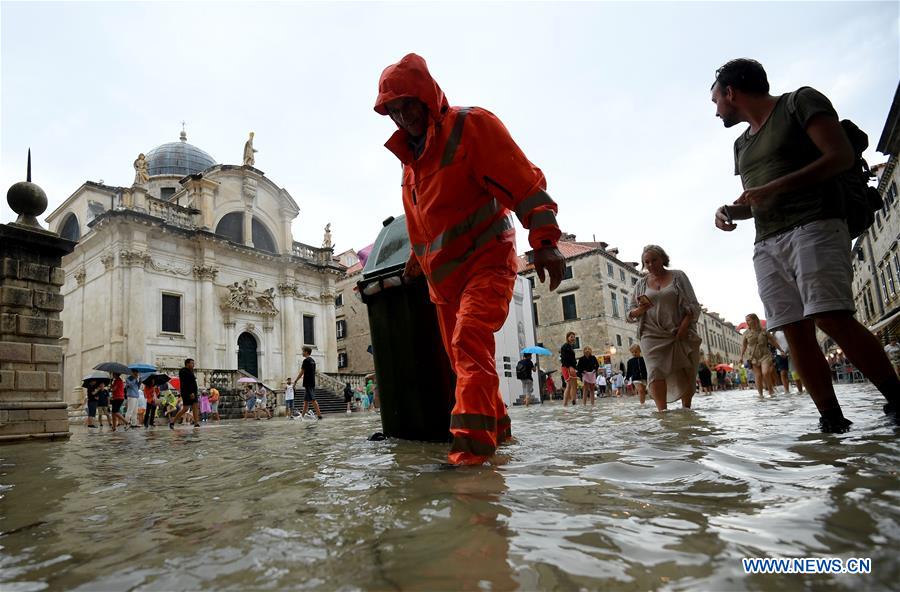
{"x":756,"y":196}
{"x":549,"y":259}
{"x":724,"y":220}
{"x":412,"y":269}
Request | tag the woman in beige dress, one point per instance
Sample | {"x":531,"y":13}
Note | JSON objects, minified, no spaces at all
{"x":755,"y":344}
{"x":666,"y":310}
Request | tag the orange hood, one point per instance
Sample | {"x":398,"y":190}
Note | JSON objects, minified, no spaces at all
{"x":410,"y":78}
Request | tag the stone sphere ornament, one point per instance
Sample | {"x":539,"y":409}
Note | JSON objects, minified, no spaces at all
{"x":27,"y":200}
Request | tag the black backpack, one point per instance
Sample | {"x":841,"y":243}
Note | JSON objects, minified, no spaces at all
{"x":523,"y":372}
{"x":861,"y":201}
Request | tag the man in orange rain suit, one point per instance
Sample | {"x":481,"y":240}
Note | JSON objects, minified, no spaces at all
{"x":462,"y":175}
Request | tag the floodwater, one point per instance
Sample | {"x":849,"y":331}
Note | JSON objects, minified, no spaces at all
{"x":615,"y":498}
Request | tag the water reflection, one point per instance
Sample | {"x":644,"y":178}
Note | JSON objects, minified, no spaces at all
{"x":616,"y":497}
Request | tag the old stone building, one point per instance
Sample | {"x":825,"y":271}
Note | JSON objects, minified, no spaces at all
{"x":194,"y":259}
{"x":592,"y":301}
{"x":876,"y":260}
{"x":721,"y":340}
{"x":352,"y":320}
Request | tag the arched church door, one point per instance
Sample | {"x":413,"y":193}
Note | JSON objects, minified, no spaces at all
{"x":247,"y":358}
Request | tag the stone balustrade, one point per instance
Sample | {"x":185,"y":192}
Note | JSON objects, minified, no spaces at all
{"x":172,"y":213}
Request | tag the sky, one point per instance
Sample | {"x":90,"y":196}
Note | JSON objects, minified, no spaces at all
{"x":611,"y":100}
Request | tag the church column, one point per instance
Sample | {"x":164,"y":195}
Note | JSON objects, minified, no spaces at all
{"x":135,"y":321}
{"x":289,"y":333}
{"x":265,"y":368}
{"x":329,"y":342}
{"x":206,"y":341}
{"x":248,"y":193}
{"x":230,"y":346}
{"x":248,"y":227}
{"x":287,"y":235}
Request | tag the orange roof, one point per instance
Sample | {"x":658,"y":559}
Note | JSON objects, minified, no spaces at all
{"x":568,"y":250}
{"x":355,"y":268}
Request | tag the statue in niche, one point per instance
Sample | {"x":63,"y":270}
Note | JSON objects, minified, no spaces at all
{"x":141,"y":176}
{"x":249,"y":151}
{"x":326,"y":242}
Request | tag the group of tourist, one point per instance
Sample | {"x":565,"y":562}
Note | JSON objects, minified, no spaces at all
{"x":145,"y":401}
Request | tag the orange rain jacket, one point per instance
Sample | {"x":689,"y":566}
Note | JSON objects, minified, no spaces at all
{"x":458,"y":194}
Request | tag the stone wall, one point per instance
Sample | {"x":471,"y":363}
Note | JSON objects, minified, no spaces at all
{"x":31,"y":402}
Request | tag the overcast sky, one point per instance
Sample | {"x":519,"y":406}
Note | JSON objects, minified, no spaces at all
{"x":611,"y":100}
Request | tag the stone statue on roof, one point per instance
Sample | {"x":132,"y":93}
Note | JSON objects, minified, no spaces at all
{"x":249,"y":151}
{"x":141,"y":176}
{"x":326,"y":242}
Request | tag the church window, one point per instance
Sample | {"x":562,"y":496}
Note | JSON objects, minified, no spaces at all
{"x":309,"y":330}
{"x":171,"y":313}
{"x":70,"y":229}
{"x":262,"y":238}
{"x":231,"y":226}
{"x":166,"y":193}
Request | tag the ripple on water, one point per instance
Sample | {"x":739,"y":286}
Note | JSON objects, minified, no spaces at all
{"x":616,"y":497}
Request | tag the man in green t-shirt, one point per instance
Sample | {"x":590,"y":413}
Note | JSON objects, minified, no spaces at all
{"x":789,"y":160}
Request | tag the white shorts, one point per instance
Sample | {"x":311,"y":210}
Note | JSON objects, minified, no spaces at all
{"x":804,"y":271}
{"x":527,"y":387}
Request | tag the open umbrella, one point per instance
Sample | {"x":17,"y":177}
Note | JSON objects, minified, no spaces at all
{"x":96,"y":376}
{"x":725,"y":367}
{"x":156,"y":379}
{"x":247,"y":379}
{"x":142,"y":367}
{"x":175,"y":383}
{"x":537,"y":350}
{"x":114,"y":367}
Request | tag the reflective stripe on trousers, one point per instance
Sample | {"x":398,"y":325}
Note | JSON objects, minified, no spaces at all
{"x":478,"y":420}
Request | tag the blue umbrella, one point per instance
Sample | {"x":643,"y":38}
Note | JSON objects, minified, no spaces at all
{"x":141,"y":367}
{"x":537,"y":350}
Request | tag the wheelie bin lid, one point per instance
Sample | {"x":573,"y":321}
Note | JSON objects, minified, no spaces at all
{"x":384,"y":267}
{"x":391,"y":249}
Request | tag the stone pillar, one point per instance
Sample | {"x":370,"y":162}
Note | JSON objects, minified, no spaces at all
{"x":206,"y":344}
{"x":139,"y":198}
{"x":266,"y":372}
{"x":289,"y":334}
{"x":31,"y":399}
{"x":287,"y":236}
{"x":248,"y":227}
{"x":329,"y":340}
{"x":230,"y":346}
{"x":135,"y":333}
{"x":203,"y":192}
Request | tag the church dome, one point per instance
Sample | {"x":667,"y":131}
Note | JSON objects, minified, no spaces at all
{"x":178,"y":158}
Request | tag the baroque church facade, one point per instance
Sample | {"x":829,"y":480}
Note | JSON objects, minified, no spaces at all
{"x":195,"y":260}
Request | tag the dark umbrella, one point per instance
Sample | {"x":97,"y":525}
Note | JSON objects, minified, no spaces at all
{"x":96,"y":376}
{"x":114,"y":367}
{"x":156,"y":380}
{"x":142,"y":367}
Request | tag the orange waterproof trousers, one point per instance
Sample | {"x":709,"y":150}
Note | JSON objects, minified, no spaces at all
{"x":478,"y":421}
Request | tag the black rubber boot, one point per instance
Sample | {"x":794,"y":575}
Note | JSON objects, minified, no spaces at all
{"x":834,"y":424}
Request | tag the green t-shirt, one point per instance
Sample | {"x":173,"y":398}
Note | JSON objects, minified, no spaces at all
{"x":781,"y":146}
